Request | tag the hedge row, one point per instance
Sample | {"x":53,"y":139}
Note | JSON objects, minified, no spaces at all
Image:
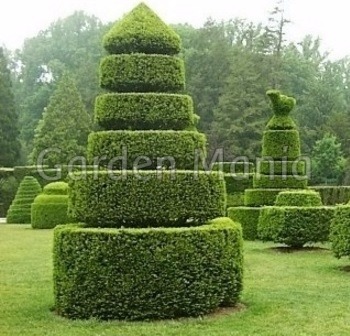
{"x":235,"y":199}
{"x":278,"y":167}
{"x":142,"y":31}
{"x":248,"y":217}
{"x":279,"y":181}
{"x":260,"y":197}
{"x":142,"y":73}
{"x":238,"y":182}
{"x":332,"y":195}
{"x":281,"y":144}
{"x":142,"y":111}
{"x":306,"y":198}
{"x":136,"y":146}
{"x":295,"y":226}
{"x":134,"y":274}
{"x":234,"y":167}
{"x":150,"y":198}
{"x":340,"y":231}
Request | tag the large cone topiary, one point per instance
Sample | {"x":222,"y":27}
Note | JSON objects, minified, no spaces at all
{"x":20,"y":209}
{"x":149,"y":246}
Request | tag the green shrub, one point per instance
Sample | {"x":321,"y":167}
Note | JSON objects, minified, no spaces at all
{"x":302,"y":198}
{"x":181,"y":145}
{"x":333,"y":195}
{"x":6,"y":173}
{"x":340,"y":231}
{"x":56,"y":188}
{"x":235,"y":199}
{"x":279,"y":181}
{"x":19,"y":211}
{"x":248,"y":217}
{"x":142,"y":73}
{"x":295,"y":226}
{"x":238,"y":182}
{"x":134,"y":274}
{"x":281,"y":123}
{"x":234,"y":167}
{"x":260,"y":197}
{"x":275,"y":167}
{"x":8,"y":189}
{"x":142,"y":31}
{"x":139,"y":111}
{"x":281,"y":144}
{"x":149,"y":198}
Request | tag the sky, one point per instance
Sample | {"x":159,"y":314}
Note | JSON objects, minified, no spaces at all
{"x":20,"y":19}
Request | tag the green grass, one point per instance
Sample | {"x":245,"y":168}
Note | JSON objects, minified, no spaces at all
{"x":300,"y":293}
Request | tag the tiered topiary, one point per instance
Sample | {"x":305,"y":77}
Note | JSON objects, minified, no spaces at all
{"x":19,"y":211}
{"x":50,"y":208}
{"x":117,"y":265}
{"x":279,"y":169}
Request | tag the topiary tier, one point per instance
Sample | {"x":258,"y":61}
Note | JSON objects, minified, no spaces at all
{"x":20,"y":209}
{"x":50,"y":208}
{"x":148,"y":246}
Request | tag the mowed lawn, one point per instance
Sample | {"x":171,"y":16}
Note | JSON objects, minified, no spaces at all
{"x":299,"y":293}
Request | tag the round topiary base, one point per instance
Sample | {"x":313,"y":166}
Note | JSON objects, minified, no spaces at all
{"x":137,"y":274}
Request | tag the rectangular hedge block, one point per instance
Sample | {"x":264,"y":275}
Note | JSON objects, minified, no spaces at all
{"x":248,"y":217}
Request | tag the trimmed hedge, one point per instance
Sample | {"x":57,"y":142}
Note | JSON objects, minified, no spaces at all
{"x":142,"y":31}
{"x":181,"y":145}
{"x":142,"y":73}
{"x":279,"y":181}
{"x":234,"y":167}
{"x":137,"y":111}
{"x":303,"y":198}
{"x":260,"y":197}
{"x":295,"y":226}
{"x":137,"y":274}
{"x":8,"y":189}
{"x":281,"y":123}
{"x":280,"y":144}
{"x":150,"y":198}
{"x":20,"y":209}
{"x":333,"y":195}
{"x":49,"y":209}
{"x":235,"y":199}
{"x":340,"y":231}
{"x":238,"y":182}
{"x":275,"y":167}
{"x":248,"y":217}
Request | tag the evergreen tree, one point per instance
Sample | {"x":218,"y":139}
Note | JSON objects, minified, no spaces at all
{"x":64,"y":127}
{"x":9,"y":143}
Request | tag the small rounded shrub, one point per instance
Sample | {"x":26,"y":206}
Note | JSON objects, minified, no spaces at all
{"x":50,"y":208}
{"x":20,"y":209}
{"x":248,"y":217}
{"x":302,"y":198}
{"x":135,"y":274}
{"x":142,"y":73}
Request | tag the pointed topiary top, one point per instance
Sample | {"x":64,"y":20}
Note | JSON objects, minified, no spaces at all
{"x":142,"y":31}
{"x":282,"y":106}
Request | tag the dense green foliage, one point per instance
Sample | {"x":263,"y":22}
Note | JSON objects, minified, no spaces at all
{"x":234,"y":167}
{"x":333,"y":195}
{"x":50,"y":208}
{"x":64,"y":127}
{"x":138,"y":111}
{"x":340,"y":231}
{"x":260,"y":197}
{"x":282,"y":167}
{"x":20,"y":209}
{"x":142,"y":73}
{"x":248,"y":217}
{"x":155,"y":273}
{"x":9,"y":143}
{"x":147,"y":198}
{"x":146,"y":148}
{"x":142,"y":31}
{"x":306,"y":198}
{"x":295,"y":226}
{"x":279,"y":181}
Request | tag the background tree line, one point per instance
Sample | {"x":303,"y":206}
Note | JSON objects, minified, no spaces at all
{"x":229,"y":67}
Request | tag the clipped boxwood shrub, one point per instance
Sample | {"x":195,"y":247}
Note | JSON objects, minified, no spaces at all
{"x":137,"y":145}
{"x":278,"y":167}
{"x":137,"y":111}
{"x":142,"y":31}
{"x":260,"y":197}
{"x":20,"y":209}
{"x":279,"y":181}
{"x":295,"y":226}
{"x":238,"y":182}
{"x":235,"y":199}
{"x":306,"y":198}
{"x":234,"y":167}
{"x":333,"y":195}
{"x":340,"y":231}
{"x":50,"y":208}
{"x":134,"y":274}
{"x":142,"y":73}
{"x":281,"y":144}
{"x":149,"y":198}
{"x":248,"y":217}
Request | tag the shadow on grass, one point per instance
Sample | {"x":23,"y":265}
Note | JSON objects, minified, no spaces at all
{"x":288,"y":249}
